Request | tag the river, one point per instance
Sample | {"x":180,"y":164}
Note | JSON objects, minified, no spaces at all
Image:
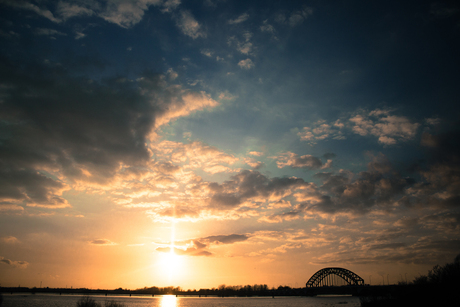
{"x":49,"y":300}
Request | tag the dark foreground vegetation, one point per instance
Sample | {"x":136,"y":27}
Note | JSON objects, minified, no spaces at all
{"x":440,"y":287}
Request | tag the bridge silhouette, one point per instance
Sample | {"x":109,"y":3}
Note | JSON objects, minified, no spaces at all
{"x":334,"y":281}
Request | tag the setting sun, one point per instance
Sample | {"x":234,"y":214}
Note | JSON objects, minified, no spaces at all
{"x":170,"y":264}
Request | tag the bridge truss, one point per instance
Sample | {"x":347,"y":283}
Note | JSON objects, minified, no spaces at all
{"x":332,"y":276}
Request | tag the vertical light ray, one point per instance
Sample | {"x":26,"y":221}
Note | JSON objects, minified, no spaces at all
{"x":173,"y":238}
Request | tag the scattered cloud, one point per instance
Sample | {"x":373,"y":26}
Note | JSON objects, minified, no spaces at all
{"x":67,"y":10}
{"x":170,"y":5}
{"x":9,"y":240}
{"x":433,"y":121}
{"x":227,"y":96}
{"x":126,"y":13}
{"x":389,"y":129}
{"x":253,"y":163}
{"x":243,"y":45}
{"x":26,"y":5}
{"x":266,"y":27}
{"x":172,"y":74}
{"x":79,"y":35}
{"x":189,"y":26}
{"x":243,"y":17}
{"x":321,"y":130}
{"x":48,"y":32}
{"x":7,"y":207}
{"x":206,"y":52}
{"x":294,"y":18}
{"x":246,"y":64}
{"x":9,"y":34}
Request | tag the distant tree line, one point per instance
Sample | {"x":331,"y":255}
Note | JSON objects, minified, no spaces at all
{"x":223,"y":290}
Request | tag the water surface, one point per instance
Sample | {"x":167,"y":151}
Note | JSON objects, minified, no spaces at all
{"x":39,"y":300}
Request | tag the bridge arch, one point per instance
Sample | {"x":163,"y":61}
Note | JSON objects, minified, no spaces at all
{"x":325,"y":277}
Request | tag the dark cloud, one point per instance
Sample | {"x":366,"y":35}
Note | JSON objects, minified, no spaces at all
{"x":439,"y":245}
{"x":203,"y":253}
{"x":82,"y":129}
{"x":225,"y":200}
{"x":198,"y":247}
{"x":102,"y":242}
{"x":293,"y":160}
{"x":379,"y":186}
{"x":443,"y":147}
{"x":16,"y":264}
{"x":440,"y":184}
{"x":385,"y":236}
{"x":307,"y":161}
{"x":379,"y":163}
{"x":446,"y":222}
{"x":224,"y":239}
{"x":403,"y":255}
{"x":18,"y":185}
{"x":251,"y":185}
{"x":387,"y":246}
{"x":282,"y":216}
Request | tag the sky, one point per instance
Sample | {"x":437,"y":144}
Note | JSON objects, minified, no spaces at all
{"x":207,"y":142}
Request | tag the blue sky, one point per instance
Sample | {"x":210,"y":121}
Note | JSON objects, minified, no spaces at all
{"x":240,"y":134}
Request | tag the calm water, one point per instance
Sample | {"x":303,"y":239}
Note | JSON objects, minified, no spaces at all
{"x":37,"y":300}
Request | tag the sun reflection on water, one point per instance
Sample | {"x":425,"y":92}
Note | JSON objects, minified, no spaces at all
{"x":168,"y":301}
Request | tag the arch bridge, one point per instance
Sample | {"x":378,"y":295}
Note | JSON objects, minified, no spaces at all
{"x":332,"y":276}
